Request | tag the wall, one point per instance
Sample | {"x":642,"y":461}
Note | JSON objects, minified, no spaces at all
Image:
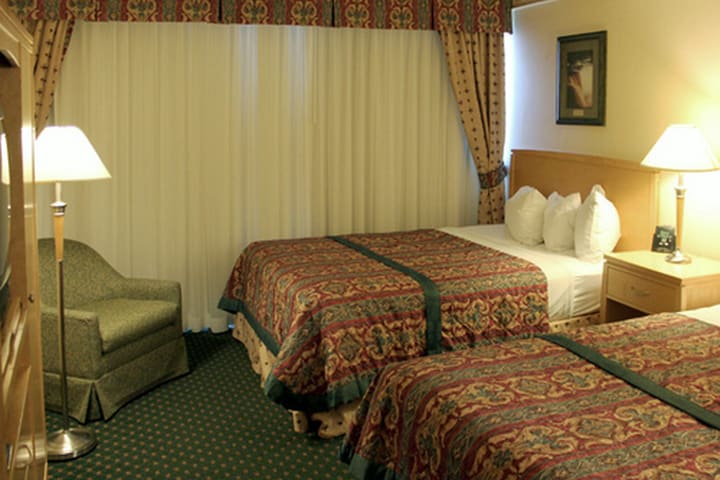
{"x":662,"y":68}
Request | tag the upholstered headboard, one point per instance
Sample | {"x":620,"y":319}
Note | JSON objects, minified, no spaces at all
{"x":631,"y":187}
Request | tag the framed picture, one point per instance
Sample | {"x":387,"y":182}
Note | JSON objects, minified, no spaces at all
{"x":581,"y":79}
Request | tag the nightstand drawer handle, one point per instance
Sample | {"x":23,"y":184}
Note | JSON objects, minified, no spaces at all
{"x":639,"y":293}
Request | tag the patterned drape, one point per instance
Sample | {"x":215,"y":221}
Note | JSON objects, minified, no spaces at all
{"x":477,"y":72}
{"x":455,"y":15}
{"x":51,"y":42}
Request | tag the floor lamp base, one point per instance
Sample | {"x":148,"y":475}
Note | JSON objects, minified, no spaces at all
{"x":70,"y":443}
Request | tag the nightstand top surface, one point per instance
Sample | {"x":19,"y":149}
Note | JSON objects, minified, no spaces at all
{"x":698,"y":267}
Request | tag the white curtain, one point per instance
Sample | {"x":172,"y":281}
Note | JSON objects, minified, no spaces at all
{"x":219,"y":135}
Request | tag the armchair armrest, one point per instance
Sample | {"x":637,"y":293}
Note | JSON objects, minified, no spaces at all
{"x":151,"y":289}
{"x":82,"y":341}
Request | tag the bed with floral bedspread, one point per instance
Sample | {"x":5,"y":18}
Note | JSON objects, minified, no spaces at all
{"x":333,"y":310}
{"x":537,"y":409}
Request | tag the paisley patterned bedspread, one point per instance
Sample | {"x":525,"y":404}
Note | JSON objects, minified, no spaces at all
{"x":333,"y":316}
{"x":530,"y":409}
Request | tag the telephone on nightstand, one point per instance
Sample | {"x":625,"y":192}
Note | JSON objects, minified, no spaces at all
{"x":664,"y":239}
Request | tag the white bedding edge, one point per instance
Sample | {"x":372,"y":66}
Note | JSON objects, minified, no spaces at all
{"x":573,"y":285}
{"x":709,"y":315}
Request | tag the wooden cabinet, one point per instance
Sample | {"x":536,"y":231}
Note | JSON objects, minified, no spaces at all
{"x":22,"y":412}
{"x":642,"y":282}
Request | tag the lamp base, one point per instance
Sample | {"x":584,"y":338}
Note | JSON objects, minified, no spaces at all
{"x":678,"y":257}
{"x":70,"y":443}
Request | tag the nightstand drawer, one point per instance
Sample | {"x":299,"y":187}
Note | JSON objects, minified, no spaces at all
{"x":640,"y":293}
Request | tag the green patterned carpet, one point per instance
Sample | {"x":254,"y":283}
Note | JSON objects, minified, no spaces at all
{"x":213,"y":423}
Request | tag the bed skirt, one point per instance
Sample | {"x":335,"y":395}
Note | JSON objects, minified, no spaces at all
{"x":335,"y":423}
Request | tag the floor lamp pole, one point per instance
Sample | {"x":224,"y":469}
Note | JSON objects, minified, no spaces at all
{"x":66,"y":443}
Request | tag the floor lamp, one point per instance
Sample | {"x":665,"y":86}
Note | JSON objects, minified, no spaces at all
{"x":64,"y":154}
{"x":681,"y":148}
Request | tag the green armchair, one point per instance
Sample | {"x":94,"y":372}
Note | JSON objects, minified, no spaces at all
{"x":123,"y":336}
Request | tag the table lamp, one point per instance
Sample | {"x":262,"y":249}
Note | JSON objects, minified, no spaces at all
{"x":681,"y":148}
{"x":64,"y":154}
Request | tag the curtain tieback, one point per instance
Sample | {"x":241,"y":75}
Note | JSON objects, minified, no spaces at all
{"x":493,"y":178}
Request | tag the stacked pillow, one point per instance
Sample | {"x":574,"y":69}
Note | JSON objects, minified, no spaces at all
{"x":524,"y":215}
{"x":591,"y":228}
{"x":559,"y":221}
{"x":597,"y":226}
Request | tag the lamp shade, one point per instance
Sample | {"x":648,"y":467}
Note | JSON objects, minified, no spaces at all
{"x":681,"y":148}
{"x":64,"y":154}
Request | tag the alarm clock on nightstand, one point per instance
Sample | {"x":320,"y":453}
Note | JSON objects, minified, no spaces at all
{"x":664,"y":239}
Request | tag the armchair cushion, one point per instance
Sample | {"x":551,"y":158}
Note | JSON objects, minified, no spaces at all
{"x":124,"y":320}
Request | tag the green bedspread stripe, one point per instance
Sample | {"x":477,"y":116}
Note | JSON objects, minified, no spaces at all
{"x":635,"y":379}
{"x":430,"y":290}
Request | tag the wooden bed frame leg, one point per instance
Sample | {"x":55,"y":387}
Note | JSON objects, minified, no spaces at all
{"x":300,"y":421}
{"x":336,"y":422}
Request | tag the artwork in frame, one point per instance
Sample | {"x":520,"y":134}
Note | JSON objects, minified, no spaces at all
{"x":581,"y":79}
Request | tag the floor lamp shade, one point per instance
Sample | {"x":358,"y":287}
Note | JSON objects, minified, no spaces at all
{"x":681,"y":148}
{"x":64,"y":154}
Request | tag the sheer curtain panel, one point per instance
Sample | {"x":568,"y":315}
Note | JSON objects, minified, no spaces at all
{"x":219,"y":135}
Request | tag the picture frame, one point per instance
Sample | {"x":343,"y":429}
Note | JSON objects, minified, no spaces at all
{"x":581,"y":65}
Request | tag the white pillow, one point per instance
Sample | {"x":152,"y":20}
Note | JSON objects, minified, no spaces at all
{"x":524,"y":214}
{"x":597,"y":227}
{"x":559,"y":222}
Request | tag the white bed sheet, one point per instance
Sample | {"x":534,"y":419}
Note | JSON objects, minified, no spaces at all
{"x":709,"y":315}
{"x":573,"y":285}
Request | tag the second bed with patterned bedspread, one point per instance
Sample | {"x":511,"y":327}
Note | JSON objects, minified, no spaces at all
{"x":633,"y":400}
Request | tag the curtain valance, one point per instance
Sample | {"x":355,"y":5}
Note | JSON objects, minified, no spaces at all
{"x":469,"y":16}
{"x":118,"y":11}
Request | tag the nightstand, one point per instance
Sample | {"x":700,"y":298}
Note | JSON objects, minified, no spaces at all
{"x":641,"y":282}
